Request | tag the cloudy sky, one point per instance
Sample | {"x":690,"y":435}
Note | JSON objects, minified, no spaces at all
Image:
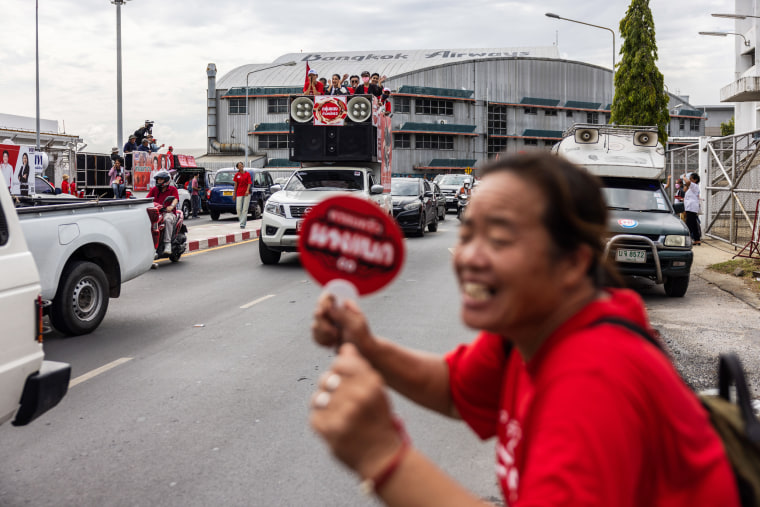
{"x":167,"y":44}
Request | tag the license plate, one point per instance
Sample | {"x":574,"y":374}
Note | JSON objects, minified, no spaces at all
{"x":450,"y":199}
{"x":227,"y":193}
{"x":639,"y":256}
{"x":299,"y":225}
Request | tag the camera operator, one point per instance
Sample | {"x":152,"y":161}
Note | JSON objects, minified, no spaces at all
{"x":144,"y":131}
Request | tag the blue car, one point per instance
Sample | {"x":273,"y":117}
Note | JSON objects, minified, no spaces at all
{"x":221,"y":198}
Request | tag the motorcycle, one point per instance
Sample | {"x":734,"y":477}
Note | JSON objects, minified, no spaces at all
{"x":462,"y":199}
{"x":158,"y":228}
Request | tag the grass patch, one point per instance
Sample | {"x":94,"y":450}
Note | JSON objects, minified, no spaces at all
{"x":748,"y":265}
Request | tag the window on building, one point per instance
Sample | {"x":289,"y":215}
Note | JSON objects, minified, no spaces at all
{"x":433,"y":142}
{"x":496,"y":145}
{"x":592,"y":118}
{"x":531,"y":110}
{"x":273,"y":141}
{"x":550,"y":112}
{"x":237,"y":106}
{"x":402,"y":105}
{"x":681,"y":123}
{"x":497,"y":120}
{"x":607,"y":117}
{"x":402,"y":141}
{"x":277,"y":105}
{"x":569,"y":113}
{"x":434,"y":107}
{"x":694,"y":125}
{"x":531,"y":142}
{"x":549,"y":142}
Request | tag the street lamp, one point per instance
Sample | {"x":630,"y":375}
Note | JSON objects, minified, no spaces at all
{"x":247,"y":109}
{"x":723,"y":34}
{"x":119,"y":131}
{"x":557,"y":16}
{"x":734,"y":16}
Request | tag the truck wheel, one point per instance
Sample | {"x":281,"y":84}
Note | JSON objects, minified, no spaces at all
{"x":187,"y":210}
{"x":433,"y":226}
{"x":267,"y":255}
{"x":214,"y":215}
{"x":675,"y":287}
{"x":82,"y":299}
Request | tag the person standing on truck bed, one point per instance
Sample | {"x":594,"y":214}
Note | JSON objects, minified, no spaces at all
{"x":691,"y":206}
{"x":336,"y":87}
{"x":314,"y":86}
{"x":367,"y":88}
{"x":160,"y":194}
{"x":242,"y":191}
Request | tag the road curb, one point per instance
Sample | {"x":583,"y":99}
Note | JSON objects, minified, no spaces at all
{"x":224,"y":239}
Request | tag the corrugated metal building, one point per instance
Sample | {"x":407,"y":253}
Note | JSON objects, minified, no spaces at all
{"x":452,"y":108}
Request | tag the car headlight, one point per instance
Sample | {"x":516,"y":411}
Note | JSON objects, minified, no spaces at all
{"x":677,"y":240}
{"x":274,"y":208}
{"x":412,"y":206}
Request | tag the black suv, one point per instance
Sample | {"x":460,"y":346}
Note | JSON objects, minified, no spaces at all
{"x":414,"y":205}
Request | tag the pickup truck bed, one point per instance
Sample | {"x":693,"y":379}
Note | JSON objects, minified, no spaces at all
{"x":84,"y":251}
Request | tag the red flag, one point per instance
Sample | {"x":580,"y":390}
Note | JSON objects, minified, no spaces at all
{"x":306,"y":82}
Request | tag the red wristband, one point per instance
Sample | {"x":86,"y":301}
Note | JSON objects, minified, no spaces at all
{"x":374,"y":484}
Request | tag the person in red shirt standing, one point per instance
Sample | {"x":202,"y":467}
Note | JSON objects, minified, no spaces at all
{"x":167,"y":196}
{"x":65,"y":185}
{"x":583,"y":412}
{"x":313,"y":86}
{"x":243,"y":184}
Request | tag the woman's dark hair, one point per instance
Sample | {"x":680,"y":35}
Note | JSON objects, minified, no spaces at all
{"x":336,"y":75}
{"x":575,"y":212}
{"x":696,"y":177}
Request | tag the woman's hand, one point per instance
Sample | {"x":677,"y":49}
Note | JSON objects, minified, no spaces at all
{"x":334,"y":325}
{"x":352,"y":413}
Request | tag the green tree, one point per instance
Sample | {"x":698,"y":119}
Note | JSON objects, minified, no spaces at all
{"x":727,"y":127}
{"x":640,"y":97}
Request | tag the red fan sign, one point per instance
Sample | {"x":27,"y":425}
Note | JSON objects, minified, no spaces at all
{"x":351,"y":239}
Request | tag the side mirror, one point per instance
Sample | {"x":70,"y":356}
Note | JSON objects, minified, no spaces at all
{"x":428,"y":194}
{"x":275,"y":188}
{"x":678,"y":207}
{"x":376,"y":189}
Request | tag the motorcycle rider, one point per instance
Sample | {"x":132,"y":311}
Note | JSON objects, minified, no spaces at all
{"x":160,"y":194}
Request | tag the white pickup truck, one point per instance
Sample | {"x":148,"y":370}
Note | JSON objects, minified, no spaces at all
{"x":284,"y":211}
{"x":29,"y":385}
{"x":84,"y":251}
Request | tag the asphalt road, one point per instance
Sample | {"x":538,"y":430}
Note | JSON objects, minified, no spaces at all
{"x":218,"y":414}
{"x":194,"y":390}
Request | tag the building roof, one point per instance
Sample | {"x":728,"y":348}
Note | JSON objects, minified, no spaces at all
{"x":386,"y":62}
{"x":428,"y":91}
{"x":543,"y":134}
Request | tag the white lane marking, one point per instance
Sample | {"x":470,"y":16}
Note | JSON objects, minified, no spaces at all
{"x":97,"y":371}
{"x":256,"y":301}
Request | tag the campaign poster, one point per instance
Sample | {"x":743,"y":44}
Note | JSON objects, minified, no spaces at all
{"x":330,"y":110}
{"x":385,"y":150}
{"x":145,"y":166}
{"x":19,"y":165}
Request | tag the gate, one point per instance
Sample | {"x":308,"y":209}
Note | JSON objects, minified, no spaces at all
{"x":729,"y":169}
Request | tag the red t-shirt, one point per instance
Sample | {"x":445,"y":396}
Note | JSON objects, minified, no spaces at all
{"x":319,"y":85}
{"x":598,"y":417}
{"x":65,"y":187}
{"x":242,"y":180}
{"x":160,"y":197}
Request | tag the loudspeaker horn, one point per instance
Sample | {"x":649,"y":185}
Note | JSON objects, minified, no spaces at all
{"x":302,"y":109}
{"x":359,"y":109}
{"x":644,"y":138}
{"x":587,"y":136}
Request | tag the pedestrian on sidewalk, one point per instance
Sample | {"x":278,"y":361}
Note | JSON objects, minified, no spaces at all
{"x":583,"y":412}
{"x":242,"y":192}
{"x":195,"y":196}
{"x":691,"y":206}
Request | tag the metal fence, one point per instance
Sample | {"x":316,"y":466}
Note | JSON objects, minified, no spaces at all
{"x":729,"y":168}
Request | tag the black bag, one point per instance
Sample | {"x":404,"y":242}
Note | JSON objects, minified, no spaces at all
{"x":734,"y":422}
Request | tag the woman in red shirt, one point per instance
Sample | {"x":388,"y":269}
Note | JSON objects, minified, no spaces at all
{"x":583,"y":413}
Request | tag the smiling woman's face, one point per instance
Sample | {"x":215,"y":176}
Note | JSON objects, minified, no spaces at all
{"x":503,"y":260}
